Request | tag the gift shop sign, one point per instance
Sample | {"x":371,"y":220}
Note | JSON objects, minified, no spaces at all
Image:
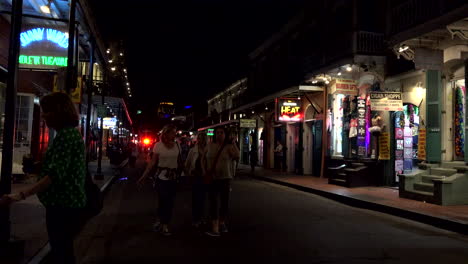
{"x":386,"y":101}
{"x":289,"y":109}
{"x":344,"y":86}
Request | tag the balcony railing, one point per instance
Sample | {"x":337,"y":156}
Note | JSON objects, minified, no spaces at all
{"x":415,"y":12}
{"x":369,"y":42}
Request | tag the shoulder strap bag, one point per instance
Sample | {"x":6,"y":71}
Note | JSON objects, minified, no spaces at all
{"x":210,"y":174}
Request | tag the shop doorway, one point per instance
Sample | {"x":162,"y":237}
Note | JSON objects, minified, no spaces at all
{"x":317,"y":127}
{"x":280,"y":135}
{"x":406,"y":125}
{"x":459,"y":108}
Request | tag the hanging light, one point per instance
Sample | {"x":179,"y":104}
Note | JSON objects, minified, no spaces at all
{"x":110,"y":61}
{"x":339,"y":73}
{"x":45,"y":8}
{"x":403,"y":47}
{"x":108,"y":51}
{"x":113,"y":69}
{"x":349,"y":68}
{"x":327,"y":81}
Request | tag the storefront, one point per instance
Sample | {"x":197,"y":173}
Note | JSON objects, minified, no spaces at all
{"x":408,"y":139}
{"x":358,"y":127}
{"x":289,"y":113}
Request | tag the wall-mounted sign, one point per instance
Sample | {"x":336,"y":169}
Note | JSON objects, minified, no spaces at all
{"x":384,"y":146}
{"x":422,"y":144}
{"x":210,"y":132}
{"x":386,"y":101}
{"x":44,"y":34}
{"x":109,"y":122}
{"x":43,"y":48}
{"x":249,"y":123}
{"x":289,"y":109}
{"x":344,"y":86}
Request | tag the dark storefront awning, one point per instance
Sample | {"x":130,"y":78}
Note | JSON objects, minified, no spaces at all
{"x":220,"y":124}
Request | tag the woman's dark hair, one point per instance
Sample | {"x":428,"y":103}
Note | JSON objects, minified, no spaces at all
{"x":226,"y":134}
{"x":63,"y":109}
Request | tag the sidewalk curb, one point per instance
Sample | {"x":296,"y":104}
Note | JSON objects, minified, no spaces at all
{"x":422,"y":218}
{"x":44,"y":251}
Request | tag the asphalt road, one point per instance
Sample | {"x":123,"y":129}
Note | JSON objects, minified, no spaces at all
{"x":268,"y":224}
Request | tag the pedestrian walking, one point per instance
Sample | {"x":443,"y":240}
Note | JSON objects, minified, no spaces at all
{"x":61,"y":181}
{"x":133,"y":149}
{"x":166,"y":161}
{"x":194,"y":169}
{"x":219,"y":157}
{"x":253,"y":156}
{"x":279,"y":156}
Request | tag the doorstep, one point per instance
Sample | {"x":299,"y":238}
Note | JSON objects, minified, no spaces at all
{"x":382,"y":199}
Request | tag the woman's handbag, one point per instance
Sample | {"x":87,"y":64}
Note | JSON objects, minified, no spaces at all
{"x":208,"y":177}
{"x":94,"y":198}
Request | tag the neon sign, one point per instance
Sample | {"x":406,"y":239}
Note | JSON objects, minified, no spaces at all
{"x":43,"y":60}
{"x":210,"y":132}
{"x":289,"y":110}
{"x":41,"y":34}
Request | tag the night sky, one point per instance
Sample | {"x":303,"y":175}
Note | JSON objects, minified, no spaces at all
{"x":187,"y":50}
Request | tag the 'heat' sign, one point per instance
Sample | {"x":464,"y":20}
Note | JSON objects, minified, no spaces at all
{"x":289,"y":109}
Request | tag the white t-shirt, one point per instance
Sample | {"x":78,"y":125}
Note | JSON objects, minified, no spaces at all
{"x":167,"y":158}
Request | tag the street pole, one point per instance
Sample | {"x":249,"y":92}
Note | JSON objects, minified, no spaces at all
{"x":99,"y":175}
{"x":6,"y":247}
{"x":71,"y":48}
{"x":90,"y":98}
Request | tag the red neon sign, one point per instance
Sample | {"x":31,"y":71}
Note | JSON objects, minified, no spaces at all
{"x":289,"y":110}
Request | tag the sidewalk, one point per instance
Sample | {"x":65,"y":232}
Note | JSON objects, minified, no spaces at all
{"x":382,"y":199}
{"x":28,"y":217}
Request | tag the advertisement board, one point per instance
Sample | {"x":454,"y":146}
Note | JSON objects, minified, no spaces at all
{"x":289,"y":109}
{"x":248,"y":123}
{"x":344,"y":86}
{"x":386,"y":101}
{"x":43,"y":47}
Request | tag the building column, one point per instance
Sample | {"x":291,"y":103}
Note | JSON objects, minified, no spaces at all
{"x":466,"y":113}
{"x":433,"y":114}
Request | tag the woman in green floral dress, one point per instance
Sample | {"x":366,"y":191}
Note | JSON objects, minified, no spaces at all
{"x":60,"y":187}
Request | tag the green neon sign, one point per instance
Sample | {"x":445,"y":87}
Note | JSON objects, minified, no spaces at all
{"x":43,"y":60}
{"x":210,"y":132}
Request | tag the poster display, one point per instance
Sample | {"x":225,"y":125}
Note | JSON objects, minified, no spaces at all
{"x":384,"y":146}
{"x":422,"y":144}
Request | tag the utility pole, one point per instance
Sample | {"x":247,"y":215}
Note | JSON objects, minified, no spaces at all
{"x":89,"y":85}
{"x":10,"y":248}
{"x":69,"y":81}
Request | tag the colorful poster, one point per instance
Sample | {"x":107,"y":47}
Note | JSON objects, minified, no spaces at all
{"x":398,"y":154}
{"x":408,"y":132}
{"x":422,"y":144}
{"x":399,"y":165}
{"x":408,"y":153}
{"x":399,"y":144}
{"x":408,"y":164}
{"x":408,"y":142}
{"x":384,"y":146}
{"x":398,"y":133}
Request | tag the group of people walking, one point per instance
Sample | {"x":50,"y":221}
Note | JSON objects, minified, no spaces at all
{"x":63,"y":185}
{"x":211,"y":167}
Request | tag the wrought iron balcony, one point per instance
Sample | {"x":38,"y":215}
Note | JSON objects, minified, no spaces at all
{"x":415,"y":12}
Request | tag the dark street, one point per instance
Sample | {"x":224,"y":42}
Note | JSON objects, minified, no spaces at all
{"x":268,"y":223}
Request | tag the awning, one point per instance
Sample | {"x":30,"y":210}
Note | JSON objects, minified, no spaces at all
{"x":293,"y":91}
{"x":219,"y":124}
{"x":114,"y":103}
